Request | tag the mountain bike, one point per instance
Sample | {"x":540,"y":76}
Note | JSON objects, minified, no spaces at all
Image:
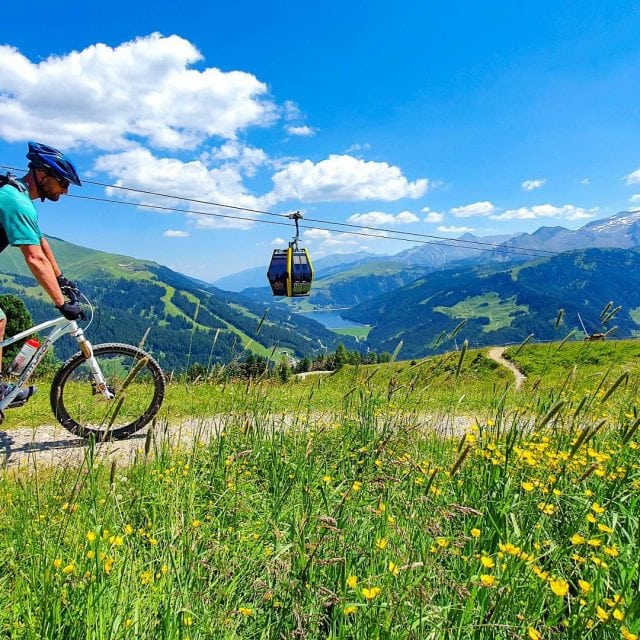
{"x":108,"y":390}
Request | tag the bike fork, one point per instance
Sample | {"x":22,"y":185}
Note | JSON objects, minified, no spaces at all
{"x":99,"y":383}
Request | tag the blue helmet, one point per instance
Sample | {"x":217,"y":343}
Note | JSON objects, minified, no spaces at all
{"x":42,"y":156}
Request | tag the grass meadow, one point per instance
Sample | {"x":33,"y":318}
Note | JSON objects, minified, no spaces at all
{"x":349,"y":507}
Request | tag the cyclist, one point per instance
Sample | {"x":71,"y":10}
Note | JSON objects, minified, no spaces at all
{"x":49,"y":176}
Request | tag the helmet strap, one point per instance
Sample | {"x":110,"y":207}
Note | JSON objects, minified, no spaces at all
{"x":38,"y":183}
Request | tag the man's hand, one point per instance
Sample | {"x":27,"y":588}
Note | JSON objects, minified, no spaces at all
{"x":65,"y":282}
{"x":71,"y":311}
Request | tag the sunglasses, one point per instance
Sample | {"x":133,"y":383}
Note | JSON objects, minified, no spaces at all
{"x":64,"y":183}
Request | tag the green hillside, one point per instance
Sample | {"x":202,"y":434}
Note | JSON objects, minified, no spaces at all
{"x":189,"y":321}
{"x":505,"y":305}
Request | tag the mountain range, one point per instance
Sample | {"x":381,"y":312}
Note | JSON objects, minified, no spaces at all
{"x":513,"y":287}
{"x":188,"y":320}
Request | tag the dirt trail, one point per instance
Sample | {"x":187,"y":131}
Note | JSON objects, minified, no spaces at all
{"x":495,"y":353}
{"x":28,"y":448}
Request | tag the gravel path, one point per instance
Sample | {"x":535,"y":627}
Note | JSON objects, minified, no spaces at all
{"x":495,"y":353}
{"x":29,"y":448}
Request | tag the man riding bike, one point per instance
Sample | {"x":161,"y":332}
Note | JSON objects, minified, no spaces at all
{"x":49,"y":176}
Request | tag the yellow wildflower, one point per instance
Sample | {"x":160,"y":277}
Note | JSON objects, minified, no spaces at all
{"x":618,"y":615}
{"x":528,"y":486}
{"x":352,"y":581}
{"x":487,"y":562}
{"x":91,"y":536}
{"x":559,"y":587}
{"x":393,"y":568}
{"x":372,"y":593}
{"x":57,"y":563}
{"x":603,"y":616}
{"x":576,"y":538}
{"x":349,"y":610}
{"x":381,"y":543}
{"x":612,"y":551}
{"x":475,"y":533}
{"x":584,"y":585}
{"x":533,"y":634}
{"x":70,"y":568}
{"x":627,"y":635}
{"x":196,"y":523}
{"x":596,"y":508}
{"x":487,"y":580}
{"x":245,"y":611}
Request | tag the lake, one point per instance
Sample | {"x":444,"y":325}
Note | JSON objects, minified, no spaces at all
{"x":331,"y":319}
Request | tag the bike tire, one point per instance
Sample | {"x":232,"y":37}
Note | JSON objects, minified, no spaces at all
{"x":80,"y":409}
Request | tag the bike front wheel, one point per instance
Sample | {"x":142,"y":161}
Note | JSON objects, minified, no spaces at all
{"x":133,"y":377}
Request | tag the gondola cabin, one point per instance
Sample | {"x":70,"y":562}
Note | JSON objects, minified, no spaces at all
{"x":290,"y":272}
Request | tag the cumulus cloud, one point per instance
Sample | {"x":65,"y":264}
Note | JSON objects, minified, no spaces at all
{"x":432,"y":216}
{"x":279,"y":242}
{"x":530,"y":185}
{"x":378,"y":218}
{"x":483,"y":208}
{"x":455,"y":229}
{"x":567,"y":212}
{"x":636,"y":198}
{"x":303,"y":131}
{"x":633,"y":178}
{"x":172,"y":233}
{"x":140,"y":169}
{"x":107,"y":97}
{"x":343,"y":177}
{"x":585,"y":181}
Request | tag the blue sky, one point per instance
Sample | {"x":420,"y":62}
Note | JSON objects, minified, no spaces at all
{"x":414,"y":116}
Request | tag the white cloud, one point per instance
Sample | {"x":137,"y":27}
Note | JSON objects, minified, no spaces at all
{"x":456,"y":229}
{"x":244,"y":157}
{"x":633,"y":178}
{"x":291,"y":111}
{"x":357,"y":147}
{"x":483,"y":208}
{"x":635,"y":198}
{"x":145,"y":89}
{"x":378,"y":218}
{"x":432,"y":216}
{"x":325,"y":242}
{"x":530,"y":185}
{"x":567,"y":212}
{"x":140,"y":169}
{"x":303,"y":131}
{"x":172,"y":233}
{"x":279,"y":242}
{"x":343,"y":177}
{"x":585,"y":181}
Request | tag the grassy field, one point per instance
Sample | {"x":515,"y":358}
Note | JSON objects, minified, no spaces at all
{"x":356,"y":520}
{"x":356,"y":332}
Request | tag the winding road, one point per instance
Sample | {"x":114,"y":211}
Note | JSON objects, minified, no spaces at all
{"x":495,"y":353}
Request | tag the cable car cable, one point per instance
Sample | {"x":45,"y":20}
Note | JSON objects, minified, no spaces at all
{"x":436,"y":240}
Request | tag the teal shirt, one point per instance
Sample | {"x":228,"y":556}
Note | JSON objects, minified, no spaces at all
{"x":18,"y":216}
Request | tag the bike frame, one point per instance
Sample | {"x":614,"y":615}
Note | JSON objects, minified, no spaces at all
{"x":59,"y":327}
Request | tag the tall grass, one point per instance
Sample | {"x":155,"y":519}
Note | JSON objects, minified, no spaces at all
{"x":370,"y":519}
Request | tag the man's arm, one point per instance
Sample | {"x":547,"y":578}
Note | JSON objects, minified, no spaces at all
{"x":43,"y":270}
{"x":46,"y":249}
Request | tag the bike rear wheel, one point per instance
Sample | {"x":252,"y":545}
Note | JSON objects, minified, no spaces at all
{"x":133,"y":377}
